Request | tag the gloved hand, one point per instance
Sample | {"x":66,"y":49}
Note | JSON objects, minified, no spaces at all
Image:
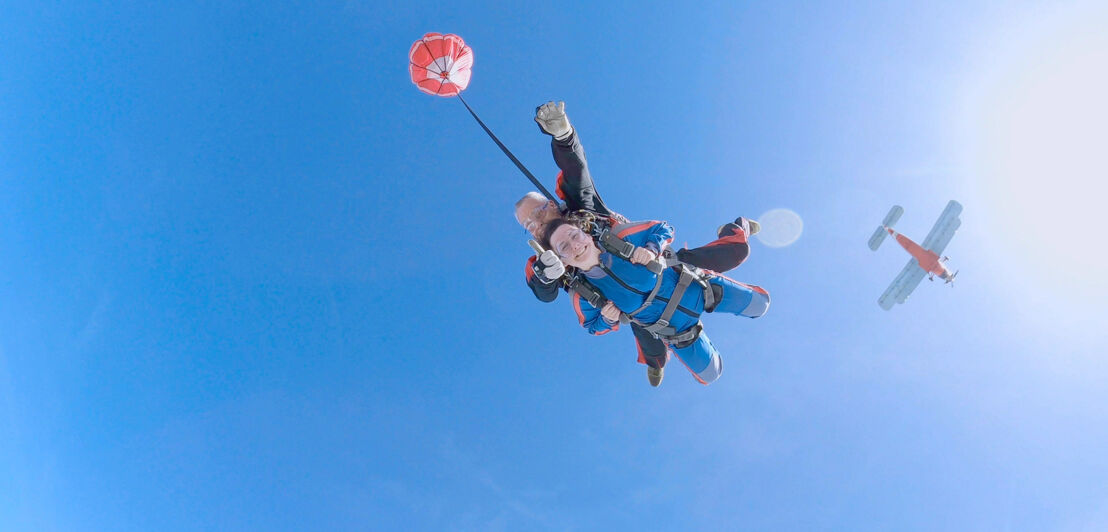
{"x":550,"y":265}
{"x":553,"y":121}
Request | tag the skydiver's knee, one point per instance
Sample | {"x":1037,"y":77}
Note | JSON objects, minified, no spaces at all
{"x":702,"y":359}
{"x":743,"y":252}
{"x":758,"y":306}
{"x":711,"y":373}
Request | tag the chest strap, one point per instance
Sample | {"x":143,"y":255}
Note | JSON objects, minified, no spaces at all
{"x":624,"y":249}
{"x":586,"y":290}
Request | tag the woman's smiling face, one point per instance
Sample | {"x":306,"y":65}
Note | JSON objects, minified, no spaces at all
{"x":574,"y":247}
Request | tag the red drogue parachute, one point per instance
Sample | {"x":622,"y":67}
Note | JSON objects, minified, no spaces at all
{"x":440,"y":64}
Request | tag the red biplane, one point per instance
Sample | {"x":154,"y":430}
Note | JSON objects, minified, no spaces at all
{"x":925,"y":259}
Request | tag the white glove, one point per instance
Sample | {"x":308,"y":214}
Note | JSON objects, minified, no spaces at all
{"x":552,"y":267}
{"x":552,"y":120}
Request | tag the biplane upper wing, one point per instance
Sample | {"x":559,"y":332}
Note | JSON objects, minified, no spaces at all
{"x":906,"y":281}
{"x":944,"y":228}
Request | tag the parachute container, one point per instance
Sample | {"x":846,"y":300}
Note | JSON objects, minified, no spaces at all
{"x":440,"y":64}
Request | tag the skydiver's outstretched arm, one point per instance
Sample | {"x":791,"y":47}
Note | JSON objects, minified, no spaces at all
{"x":575,"y":184}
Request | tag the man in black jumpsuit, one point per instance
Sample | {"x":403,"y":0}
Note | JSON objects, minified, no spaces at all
{"x":575,"y":187}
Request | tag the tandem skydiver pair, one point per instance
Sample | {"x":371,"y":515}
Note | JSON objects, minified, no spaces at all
{"x":625,"y":272}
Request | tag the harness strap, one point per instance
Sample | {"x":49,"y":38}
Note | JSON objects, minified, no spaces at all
{"x":586,"y":290}
{"x":670,"y":335}
{"x":709,"y":293}
{"x":660,"y":326}
{"x":712,"y":296}
{"x":616,"y":245}
{"x":669,"y":258}
{"x":649,"y":298}
{"x":685,"y":339}
{"x":712,"y":293}
{"x":624,"y":249}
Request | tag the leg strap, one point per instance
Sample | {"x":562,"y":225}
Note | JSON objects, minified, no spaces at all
{"x":685,"y":339}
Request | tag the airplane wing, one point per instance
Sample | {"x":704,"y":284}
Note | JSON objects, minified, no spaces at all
{"x":907,"y":281}
{"x":944,"y":228}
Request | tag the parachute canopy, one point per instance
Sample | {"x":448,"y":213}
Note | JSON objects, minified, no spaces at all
{"x":440,"y":64}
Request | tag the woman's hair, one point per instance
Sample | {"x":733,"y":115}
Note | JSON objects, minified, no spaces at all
{"x":549,"y":231}
{"x":582,"y":220}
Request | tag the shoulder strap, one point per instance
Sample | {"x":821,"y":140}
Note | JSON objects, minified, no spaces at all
{"x":582,"y":287}
{"x":623,"y":249}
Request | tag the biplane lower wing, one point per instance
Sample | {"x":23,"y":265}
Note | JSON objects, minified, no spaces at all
{"x":901,"y":287}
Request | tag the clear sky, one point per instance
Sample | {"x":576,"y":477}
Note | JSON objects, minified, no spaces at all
{"x":252,"y":279}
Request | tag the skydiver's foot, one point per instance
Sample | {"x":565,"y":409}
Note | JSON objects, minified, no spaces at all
{"x":654,"y":375}
{"x":750,"y":226}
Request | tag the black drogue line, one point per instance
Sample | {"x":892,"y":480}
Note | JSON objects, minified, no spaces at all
{"x":508,"y":152}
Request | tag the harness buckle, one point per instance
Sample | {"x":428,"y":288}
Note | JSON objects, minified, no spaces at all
{"x":686,"y":338}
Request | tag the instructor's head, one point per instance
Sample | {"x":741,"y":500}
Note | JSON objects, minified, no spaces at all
{"x":534,"y":211}
{"x":574,"y":246}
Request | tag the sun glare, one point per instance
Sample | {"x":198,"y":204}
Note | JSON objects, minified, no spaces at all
{"x":780,"y":227}
{"x":1041,"y":146}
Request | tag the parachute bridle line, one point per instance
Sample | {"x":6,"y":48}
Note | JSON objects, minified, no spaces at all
{"x":445,"y":67}
{"x":508,"y":152}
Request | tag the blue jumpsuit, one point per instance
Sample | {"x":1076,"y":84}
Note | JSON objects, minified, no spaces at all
{"x":627,"y":285}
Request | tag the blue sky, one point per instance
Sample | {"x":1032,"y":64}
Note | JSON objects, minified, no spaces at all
{"x":254,"y":280}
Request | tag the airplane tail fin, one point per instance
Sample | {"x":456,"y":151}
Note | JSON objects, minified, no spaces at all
{"x":950,"y":280}
{"x":890,"y":219}
{"x":893,"y":216}
{"x":877,"y":238}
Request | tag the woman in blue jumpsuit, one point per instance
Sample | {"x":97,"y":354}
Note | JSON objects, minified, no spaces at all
{"x":626,"y":284}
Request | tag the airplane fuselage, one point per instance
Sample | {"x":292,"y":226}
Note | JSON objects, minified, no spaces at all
{"x":928,"y":260}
